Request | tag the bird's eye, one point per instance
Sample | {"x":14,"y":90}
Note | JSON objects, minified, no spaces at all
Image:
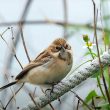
{"x":67,"y":47}
{"x":58,"y":48}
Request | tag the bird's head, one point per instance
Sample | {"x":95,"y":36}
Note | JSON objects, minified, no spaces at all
{"x":60,"y":48}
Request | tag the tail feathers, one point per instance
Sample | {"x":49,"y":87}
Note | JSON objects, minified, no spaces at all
{"x":8,"y":85}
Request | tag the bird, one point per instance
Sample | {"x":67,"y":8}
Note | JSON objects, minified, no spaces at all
{"x":49,"y":67}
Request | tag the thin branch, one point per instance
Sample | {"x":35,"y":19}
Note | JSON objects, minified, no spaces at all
{"x":13,"y":49}
{"x":71,"y":82}
{"x":101,"y":67}
{"x":16,"y":38}
{"x":10,"y":56}
{"x":81,"y":100}
{"x":78,"y":104}
{"x":103,"y":32}
{"x":24,"y":45}
{"x":1,"y":35}
{"x":14,"y":56}
{"x":51,"y":106}
{"x":13,"y":96}
{"x":93,"y":104}
{"x":2,"y":106}
{"x":33,"y":99}
{"x":18,"y":61}
{"x":49,"y":22}
{"x":65,"y":17}
{"x":34,"y":92}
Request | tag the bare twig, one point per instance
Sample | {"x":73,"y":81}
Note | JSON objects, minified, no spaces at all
{"x":78,"y":104}
{"x":1,"y":35}
{"x":49,"y":102}
{"x":101,"y":67}
{"x":10,"y":56}
{"x":51,"y":106}
{"x":33,"y":99}
{"x":38,"y":105}
{"x":16,"y":38}
{"x":2,"y":106}
{"x":49,"y":22}
{"x":12,"y":47}
{"x":24,"y":45}
{"x":34,"y":92}
{"x":93,"y":103}
{"x":81,"y":100}
{"x":15,"y":57}
{"x":13,"y":96}
{"x":103,"y":32}
{"x":23,"y":16}
{"x":65,"y":17}
{"x":18,"y":61}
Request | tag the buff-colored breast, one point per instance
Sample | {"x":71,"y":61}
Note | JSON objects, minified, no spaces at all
{"x":51,"y":72}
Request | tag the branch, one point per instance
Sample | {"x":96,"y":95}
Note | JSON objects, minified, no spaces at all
{"x":69,"y":83}
{"x":16,"y":38}
{"x":49,"y":22}
{"x":24,"y":45}
{"x":9,"y":58}
{"x":101,"y":67}
{"x":65,"y":8}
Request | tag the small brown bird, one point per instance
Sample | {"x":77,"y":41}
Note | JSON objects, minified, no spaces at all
{"x":49,"y":67}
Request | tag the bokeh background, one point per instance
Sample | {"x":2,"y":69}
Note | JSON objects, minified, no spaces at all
{"x":42,"y":22}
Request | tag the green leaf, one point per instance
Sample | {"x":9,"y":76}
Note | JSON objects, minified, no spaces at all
{"x":90,"y":96}
{"x":107,"y":38}
{"x":107,"y":76}
{"x":88,"y":53}
{"x":105,"y":106}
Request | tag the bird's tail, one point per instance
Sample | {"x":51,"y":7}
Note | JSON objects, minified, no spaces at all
{"x":8,"y":85}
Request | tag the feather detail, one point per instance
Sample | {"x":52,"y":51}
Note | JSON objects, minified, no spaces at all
{"x":8,"y":85}
{"x":42,"y":58}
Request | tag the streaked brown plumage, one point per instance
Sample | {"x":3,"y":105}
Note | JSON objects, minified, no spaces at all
{"x":50,"y":66}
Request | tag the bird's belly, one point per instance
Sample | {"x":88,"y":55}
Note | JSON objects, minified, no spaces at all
{"x":37,"y":75}
{"x":52,"y":74}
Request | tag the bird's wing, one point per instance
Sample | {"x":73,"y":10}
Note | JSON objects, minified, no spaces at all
{"x":42,"y":58}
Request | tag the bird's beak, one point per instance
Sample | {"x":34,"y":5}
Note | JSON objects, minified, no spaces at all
{"x":63,"y":49}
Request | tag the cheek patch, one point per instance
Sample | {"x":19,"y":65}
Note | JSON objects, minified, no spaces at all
{"x":55,"y":54}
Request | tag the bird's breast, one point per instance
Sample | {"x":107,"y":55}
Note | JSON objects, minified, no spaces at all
{"x":51,"y":72}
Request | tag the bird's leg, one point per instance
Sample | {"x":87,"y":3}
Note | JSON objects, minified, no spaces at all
{"x":51,"y":89}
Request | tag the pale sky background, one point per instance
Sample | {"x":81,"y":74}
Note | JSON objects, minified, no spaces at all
{"x":38,"y":37}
